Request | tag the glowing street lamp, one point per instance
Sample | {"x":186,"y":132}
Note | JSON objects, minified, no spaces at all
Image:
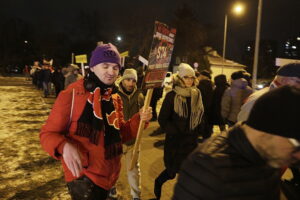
{"x":237,"y":9}
{"x":119,"y":38}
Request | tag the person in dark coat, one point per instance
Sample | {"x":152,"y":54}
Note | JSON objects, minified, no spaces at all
{"x":246,"y":161}
{"x":157,"y":94}
{"x":206,"y":88}
{"x":221,"y":85}
{"x":180,"y":117}
{"x":58,"y":80}
{"x":46,"y":78}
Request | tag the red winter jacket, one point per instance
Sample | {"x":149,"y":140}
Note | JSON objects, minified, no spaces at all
{"x":102,"y":172}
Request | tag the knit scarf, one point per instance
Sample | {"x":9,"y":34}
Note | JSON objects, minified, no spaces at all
{"x":99,"y":117}
{"x":180,"y":103}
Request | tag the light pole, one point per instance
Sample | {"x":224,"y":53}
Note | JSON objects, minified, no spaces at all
{"x":257,"y":38}
{"x":237,"y":9}
{"x":224,"y":41}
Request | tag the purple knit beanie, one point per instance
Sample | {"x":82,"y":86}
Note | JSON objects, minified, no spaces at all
{"x":105,"y":53}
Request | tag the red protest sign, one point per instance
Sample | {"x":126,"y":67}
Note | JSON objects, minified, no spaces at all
{"x":160,"y":55}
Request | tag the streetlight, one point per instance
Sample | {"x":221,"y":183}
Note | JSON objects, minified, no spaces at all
{"x":119,"y":38}
{"x":237,"y":9}
{"x":257,"y":38}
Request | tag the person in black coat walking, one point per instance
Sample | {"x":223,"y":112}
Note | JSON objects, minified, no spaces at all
{"x":58,"y":80}
{"x":180,"y":116}
{"x":221,"y":86}
{"x":206,"y":88}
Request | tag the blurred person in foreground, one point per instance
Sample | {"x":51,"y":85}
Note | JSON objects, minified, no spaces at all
{"x":86,"y":128}
{"x":245,"y":162}
{"x":288,"y":74}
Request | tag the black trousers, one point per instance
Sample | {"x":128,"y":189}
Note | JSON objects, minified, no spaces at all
{"x":160,"y":180}
{"x":84,"y":189}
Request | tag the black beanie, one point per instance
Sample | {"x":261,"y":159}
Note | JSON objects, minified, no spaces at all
{"x":277,"y":112}
{"x":289,"y":70}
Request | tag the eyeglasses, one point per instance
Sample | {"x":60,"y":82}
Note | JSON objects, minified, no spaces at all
{"x":189,"y":77}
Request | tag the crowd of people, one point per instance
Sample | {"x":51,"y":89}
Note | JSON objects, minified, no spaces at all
{"x":52,"y":79}
{"x":95,"y":119}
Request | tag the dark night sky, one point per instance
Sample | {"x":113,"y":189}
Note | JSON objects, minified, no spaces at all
{"x":280,"y":18}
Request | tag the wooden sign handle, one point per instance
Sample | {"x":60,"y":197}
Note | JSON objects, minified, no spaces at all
{"x":140,"y":131}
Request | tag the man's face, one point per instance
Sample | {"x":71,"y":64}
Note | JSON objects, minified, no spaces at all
{"x":129,"y":84}
{"x":106,"y":72}
{"x":293,"y":81}
{"x":278,"y":151}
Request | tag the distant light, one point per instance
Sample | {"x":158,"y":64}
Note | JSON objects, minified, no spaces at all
{"x":238,"y":8}
{"x":25,"y":41}
{"x":260,"y":86}
{"x":298,"y":38}
{"x":119,"y":38}
{"x":287,"y":44}
{"x":294,"y":47}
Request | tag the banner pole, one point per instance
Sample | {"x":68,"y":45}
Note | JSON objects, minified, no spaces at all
{"x":136,"y":147}
{"x":82,"y":69}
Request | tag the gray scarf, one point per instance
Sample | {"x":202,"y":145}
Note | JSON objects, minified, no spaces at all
{"x":180,"y":103}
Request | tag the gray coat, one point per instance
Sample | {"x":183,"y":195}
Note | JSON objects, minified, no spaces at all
{"x":233,"y":98}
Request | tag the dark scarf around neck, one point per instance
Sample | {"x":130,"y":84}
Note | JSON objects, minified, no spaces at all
{"x":99,"y":117}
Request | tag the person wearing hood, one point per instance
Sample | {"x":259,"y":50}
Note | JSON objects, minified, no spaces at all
{"x":206,"y":88}
{"x":133,"y":101}
{"x":180,"y":117}
{"x":234,"y":97}
{"x":221,"y":86}
{"x":86,"y":128}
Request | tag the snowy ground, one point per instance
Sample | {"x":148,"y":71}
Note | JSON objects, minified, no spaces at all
{"x":26,"y":171}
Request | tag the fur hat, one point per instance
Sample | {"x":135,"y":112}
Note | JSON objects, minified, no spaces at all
{"x":130,"y":74}
{"x":185,"y":70}
{"x":105,"y":53}
{"x":289,"y":70}
{"x":277,"y":112}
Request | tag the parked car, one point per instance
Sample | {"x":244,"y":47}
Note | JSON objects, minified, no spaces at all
{"x":12,"y":69}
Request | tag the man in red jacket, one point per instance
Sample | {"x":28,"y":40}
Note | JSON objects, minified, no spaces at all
{"x":86,"y":128}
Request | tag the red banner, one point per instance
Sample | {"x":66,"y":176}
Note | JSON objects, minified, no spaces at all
{"x":160,"y":55}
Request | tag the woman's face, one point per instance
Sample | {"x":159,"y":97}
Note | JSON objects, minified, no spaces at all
{"x":188,"y":81}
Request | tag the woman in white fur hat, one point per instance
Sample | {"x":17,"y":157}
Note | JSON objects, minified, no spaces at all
{"x":179,"y":117}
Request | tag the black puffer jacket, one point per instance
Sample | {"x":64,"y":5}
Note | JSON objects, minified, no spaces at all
{"x":180,"y":142}
{"x":227,"y":167}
